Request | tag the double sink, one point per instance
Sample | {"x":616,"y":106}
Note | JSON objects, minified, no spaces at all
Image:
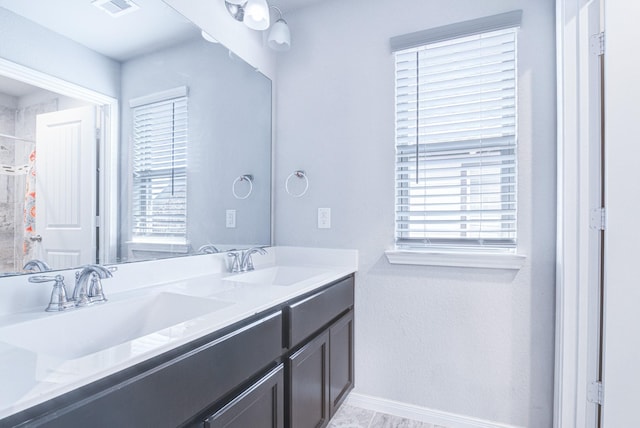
{"x":81,"y":332}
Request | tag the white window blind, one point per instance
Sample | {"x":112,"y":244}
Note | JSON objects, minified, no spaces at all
{"x":160,"y":171}
{"x":456,"y":134}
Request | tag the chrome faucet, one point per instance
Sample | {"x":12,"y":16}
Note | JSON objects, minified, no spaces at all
{"x":240,"y":261}
{"x":36,"y":265}
{"x":88,"y":287}
{"x":234,"y":261}
{"x":208,"y":249}
{"x":246,"y":263}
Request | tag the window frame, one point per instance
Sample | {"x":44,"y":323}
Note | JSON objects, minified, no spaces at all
{"x":176,"y":173}
{"x":446,"y":251}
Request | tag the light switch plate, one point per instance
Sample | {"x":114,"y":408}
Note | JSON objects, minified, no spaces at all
{"x":231,"y":219}
{"x":324,"y":218}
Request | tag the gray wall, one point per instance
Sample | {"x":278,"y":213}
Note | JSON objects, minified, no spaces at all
{"x":10,"y":200}
{"x":474,"y":342}
{"x":229,"y":135}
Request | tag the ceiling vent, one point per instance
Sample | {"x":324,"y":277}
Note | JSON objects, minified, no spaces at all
{"x":116,"y":8}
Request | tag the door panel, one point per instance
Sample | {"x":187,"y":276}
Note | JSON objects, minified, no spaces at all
{"x":340,"y":360}
{"x":309,"y":384}
{"x":65,"y":186}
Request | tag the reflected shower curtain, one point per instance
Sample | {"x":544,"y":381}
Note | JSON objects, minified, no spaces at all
{"x":30,"y":207}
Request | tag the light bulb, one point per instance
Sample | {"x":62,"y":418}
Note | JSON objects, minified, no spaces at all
{"x":256,"y":14}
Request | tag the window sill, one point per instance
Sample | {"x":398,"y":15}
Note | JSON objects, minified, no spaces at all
{"x":159,"y":246}
{"x":456,"y":259}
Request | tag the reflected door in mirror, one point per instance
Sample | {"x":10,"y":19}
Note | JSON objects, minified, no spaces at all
{"x":65,"y":185}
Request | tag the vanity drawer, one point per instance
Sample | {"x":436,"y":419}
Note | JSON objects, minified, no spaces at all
{"x":309,"y":315}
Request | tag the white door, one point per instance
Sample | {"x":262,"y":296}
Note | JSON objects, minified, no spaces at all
{"x":622,"y":283}
{"x":66,"y":186}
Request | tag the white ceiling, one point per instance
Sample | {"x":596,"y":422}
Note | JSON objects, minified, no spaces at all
{"x":153,"y":25}
{"x":120,"y":38}
{"x":289,"y":5}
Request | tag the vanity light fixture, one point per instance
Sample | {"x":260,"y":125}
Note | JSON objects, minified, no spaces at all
{"x":255,"y":14}
{"x":279,"y":38}
{"x":236,"y":9}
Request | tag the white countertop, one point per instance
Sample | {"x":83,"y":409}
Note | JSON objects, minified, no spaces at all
{"x":31,"y":377}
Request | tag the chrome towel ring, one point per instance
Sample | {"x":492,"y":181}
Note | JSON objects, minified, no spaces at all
{"x":301,"y":175}
{"x":244,"y":177}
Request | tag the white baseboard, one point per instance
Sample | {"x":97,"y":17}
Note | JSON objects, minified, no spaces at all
{"x":423,"y":414}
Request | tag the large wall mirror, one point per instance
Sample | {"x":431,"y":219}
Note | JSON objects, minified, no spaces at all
{"x":126,"y":135}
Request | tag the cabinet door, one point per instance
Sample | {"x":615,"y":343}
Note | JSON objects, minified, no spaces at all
{"x":260,"y":406}
{"x":341,"y":360}
{"x":309,"y":384}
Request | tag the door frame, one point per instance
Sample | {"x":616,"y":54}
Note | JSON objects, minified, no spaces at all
{"x":577,"y":269}
{"x":108,"y":153}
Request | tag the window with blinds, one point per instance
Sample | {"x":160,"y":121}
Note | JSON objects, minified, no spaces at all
{"x":456,"y":135}
{"x":160,"y":171}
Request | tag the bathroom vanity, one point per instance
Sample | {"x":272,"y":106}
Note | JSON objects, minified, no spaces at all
{"x":276,"y":351}
{"x":180,"y":341}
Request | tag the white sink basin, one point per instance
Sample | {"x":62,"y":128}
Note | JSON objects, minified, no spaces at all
{"x":278,"y":275}
{"x":84,"y":331}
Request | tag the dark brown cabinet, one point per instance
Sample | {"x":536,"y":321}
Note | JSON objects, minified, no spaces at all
{"x":259,"y":406}
{"x":168,"y":392}
{"x":321,"y":375}
{"x":320,"y":367}
{"x":288,"y":367}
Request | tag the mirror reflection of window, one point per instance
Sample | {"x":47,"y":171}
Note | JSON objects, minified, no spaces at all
{"x":159,"y":190}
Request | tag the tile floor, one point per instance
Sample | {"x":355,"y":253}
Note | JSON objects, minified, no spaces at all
{"x":356,"y":417}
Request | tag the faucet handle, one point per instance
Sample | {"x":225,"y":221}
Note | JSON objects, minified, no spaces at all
{"x":95,"y":292}
{"x":234,"y":263}
{"x":247,"y":264}
{"x":59,"y":300}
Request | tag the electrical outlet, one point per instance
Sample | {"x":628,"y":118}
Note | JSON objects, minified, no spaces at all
{"x":231,"y":218}
{"x":324,"y":218}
